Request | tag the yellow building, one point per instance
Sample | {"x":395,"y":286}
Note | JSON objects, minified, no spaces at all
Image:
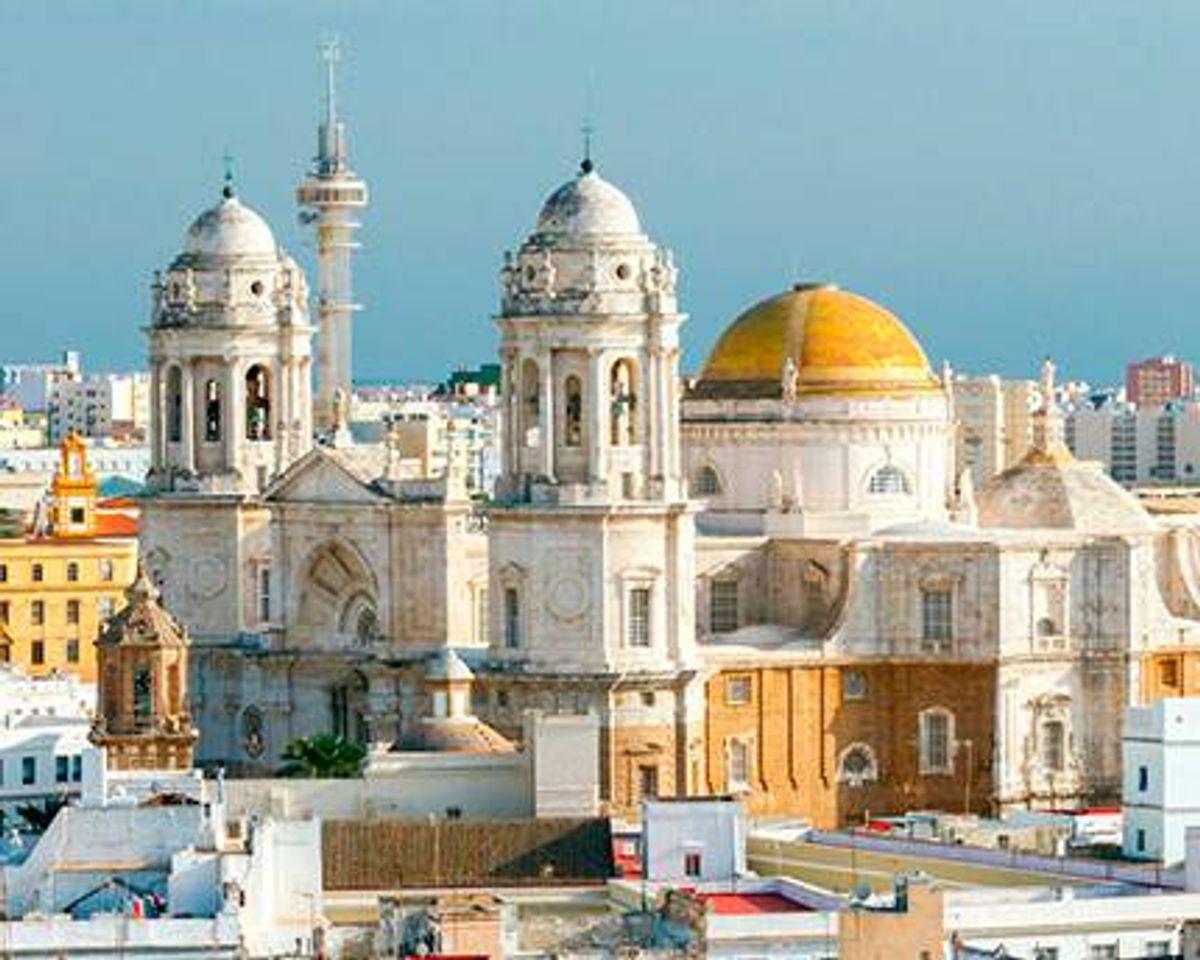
{"x":62,"y":580}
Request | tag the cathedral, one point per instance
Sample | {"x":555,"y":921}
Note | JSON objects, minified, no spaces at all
{"x":770,"y":580}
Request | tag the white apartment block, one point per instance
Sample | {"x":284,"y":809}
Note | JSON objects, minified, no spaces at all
{"x":995,"y":424}
{"x":101,"y":405}
{"x":1148,"y":447}
{"x":1161,"y":791}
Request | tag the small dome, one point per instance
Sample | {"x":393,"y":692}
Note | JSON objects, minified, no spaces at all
{"x":448,"y":665}
{"x":588,"y":206}
{"x":1050,"y":489}
{"x":230,"y":229}
{"x":841,"y":343}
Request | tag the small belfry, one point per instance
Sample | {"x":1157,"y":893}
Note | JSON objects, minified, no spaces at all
{"x":73,"y":491}
{"x":143,"y":721}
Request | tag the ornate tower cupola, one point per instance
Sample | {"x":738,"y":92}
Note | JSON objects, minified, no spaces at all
{"x":590,"y":350}
{"x":143,"y":721}
{"x":73,"y":508}
{"x":230,"y":354}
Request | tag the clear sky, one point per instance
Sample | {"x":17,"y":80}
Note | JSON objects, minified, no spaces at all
{"x":1012,"y":177}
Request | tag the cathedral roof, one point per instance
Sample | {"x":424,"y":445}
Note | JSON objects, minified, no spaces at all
{"x":1049,"y":488}
{"x":588,"y":206}
{"x":230,"y":229}
{"x":143,"y":619}
{"x":839,"y":342}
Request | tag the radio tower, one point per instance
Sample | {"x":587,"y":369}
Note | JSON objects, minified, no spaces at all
{"x":331,"y":197}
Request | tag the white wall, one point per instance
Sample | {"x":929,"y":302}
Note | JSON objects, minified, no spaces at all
{"x":715,"y":829}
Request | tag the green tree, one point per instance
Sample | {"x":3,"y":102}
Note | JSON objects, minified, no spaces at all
{"x":322,"y":755}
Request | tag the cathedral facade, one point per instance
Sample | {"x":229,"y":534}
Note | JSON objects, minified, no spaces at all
{"x":769,"y":580}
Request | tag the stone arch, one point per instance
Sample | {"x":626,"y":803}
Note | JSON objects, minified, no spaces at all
{"x":707,"y":482}
{"x":336,"y":587}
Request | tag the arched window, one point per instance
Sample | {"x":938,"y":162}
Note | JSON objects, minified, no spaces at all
{"x":174,"y":405}
{"x":857,"y":765}
{"x":889,"y":480}
{"x":212,"y":411}
{"x":1047,"y":627}
{"x":573,"y":411}
{"x":530,"y":400}
{"x":143,"y":694}
{"x":935,"y":741}
{"x":258,"y":403}
{"x":512,"y":618}
{"x":624,"y":404}
{"x":366,"y":628}
{"x":1054,"y":745}
{"x":173,"y":689}
{"x":706,"y":482}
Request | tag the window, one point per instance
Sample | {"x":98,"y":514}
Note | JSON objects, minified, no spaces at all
{"x":1045,"y":953}
{"x":3,"y":573}
{"x":37,"y":652}
{"x":1053,"y":745}
{"x":637,"y":627}
{"x":106,"y":570}
{"x":693,"y":864}
{"x":1103,"y":951}
{"x":106,"y":607}
{"x":707,"y":483}
{"x":854,"y":685}
{"x":72,"y":611}
{"x":624,"y":404}
{"x":1168,"y":673}
{"x":648,"y":698}
{"x":1047,"y":627}
{"x":888,"y":480}
{"x":212,"y":411}
{"x":1,"y":773}
{"x":1141,"y":840}
{"x":39,"y":573}
{"x":737,"y":760}
{"x":78,"y":515}
{"x":935,"y":733}
{"x":937,"y":618}
{"x":258,"y":403}
{"x":573,"y":412}
{"x":73,"y":569}
{"x":28,"y":770}
{"x":857,"y":765}
{"x":73,"y":650}
{"x":175,"y":405}
{"x":1157,"y":948}
{"x":77,"y":768}
{"x":4,"y":608}
{"x":481,"y":616}
{"x":723,"y":606}
{"x":264,"y":595}
{"x":37,"y":612}
{"x":62,"y":769}
{"x":512,"y":618}
{"x":738,"y":690}
{"x":1143,"y":778}
{"x":143,"y":694}
{"x":647,"y":782}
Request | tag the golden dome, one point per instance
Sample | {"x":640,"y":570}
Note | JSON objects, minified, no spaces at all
{"x":840,"y":342}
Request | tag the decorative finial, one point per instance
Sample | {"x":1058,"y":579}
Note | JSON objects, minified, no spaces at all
{"x":228,"y":191}
{"x":587,"y":129}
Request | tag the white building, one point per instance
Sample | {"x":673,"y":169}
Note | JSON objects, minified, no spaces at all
{"x":31,"y":384}
{"x":699,"y":839}
{"x":115,"y":405}
{"x":995,"y":423}
{"x":1161,"y":787}
{"x":1139,"y":447}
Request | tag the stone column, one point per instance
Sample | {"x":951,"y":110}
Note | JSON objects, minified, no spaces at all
{"x":656,"y":414}
{"x":158,"y":433}
{"x":187,"y":385}
{"x":236,"y":405}
{"x":546,"y":411}
{"x":597,"y":432}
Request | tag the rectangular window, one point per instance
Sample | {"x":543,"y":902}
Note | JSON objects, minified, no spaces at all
{"x":1158,"y":948}
{"x":77,"y":768}
{"x":1053,"y":745}
{"x":637,"y":627}
{"x":854,"y":685}
{"x":512,"y":618}
{"x":106,"y":607}
{"x":28,"y":770}
{"x":264,"y":595}
{"x":723,"y":606}
{"x":62,"y":769}
{"x":1045,"y":953}
{"x":481,"y":616}
{"x":937,"y":618}
{"x":143,"y":693}
{"x":935,"y":742}
{"x":1143,"y":778}
{"x":37,"y":652}
{"x":1103,"y":951}
{"x":3,"y":573}
{"x":647,"y":782}
{"x":4,"y":611}
{"x":738,"y":761}
{"x":693,"y":864}
{"x":72,"y":611}
{"x":1141,"y":840}
{"x":738,"y":690}
{"x":39,"y":573}
{"x":73,"y":650}
{"x":72,"y":572}
{"x":106,"y":570}
{"x":1168,"y":673}
{"x":37,"y":612}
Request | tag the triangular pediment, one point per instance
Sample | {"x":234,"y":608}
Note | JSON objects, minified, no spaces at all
{"x":319,"y":477}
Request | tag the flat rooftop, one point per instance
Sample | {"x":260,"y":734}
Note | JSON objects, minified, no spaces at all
{"x":747,"y":904}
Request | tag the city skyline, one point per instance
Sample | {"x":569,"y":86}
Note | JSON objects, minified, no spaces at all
{"x":996,"y":214}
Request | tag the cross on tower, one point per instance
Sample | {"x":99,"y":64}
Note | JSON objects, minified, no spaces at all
{"x":227,"y":161}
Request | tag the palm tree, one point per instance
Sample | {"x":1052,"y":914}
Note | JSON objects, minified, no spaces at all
{"x":325,"y":755}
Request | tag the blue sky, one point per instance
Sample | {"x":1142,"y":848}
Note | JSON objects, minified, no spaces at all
{"x":1013,"y":178}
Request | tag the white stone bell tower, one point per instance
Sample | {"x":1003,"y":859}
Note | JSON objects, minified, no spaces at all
{"x":591,"y":538}
{"x":230,"y":355}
